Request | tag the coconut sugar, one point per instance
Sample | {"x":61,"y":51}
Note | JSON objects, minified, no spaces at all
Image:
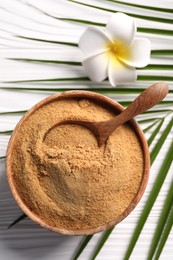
{"x":64,"y":177}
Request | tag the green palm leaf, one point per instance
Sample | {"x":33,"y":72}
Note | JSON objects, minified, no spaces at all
{"x":145,"y":130}
{"x":139,"y":29}
{"x":150,"y":18}
{"x":143,"y":121}
{"x":155,"y":132}
{"x":103,"y":90}
{"x":13,"y":112}
{"x":2,"y":157}
{"x":81,"y":79}
{"x":101,"y":243}
{"x":48,"y":41}
{"x":51,"y":61}
{"x":82,"y":246}
{"x":9,"y":132}
{"x":165,"y":233}
{"x":161,"y":141}
{"x":20,"y":218}
{"x":167,"y":10}
{"x":75,"y":63}
{"x":152,"y":197}
{"x":162,"y":52}
{"x":168,"y":204}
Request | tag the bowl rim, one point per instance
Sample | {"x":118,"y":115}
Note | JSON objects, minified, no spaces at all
{"x":102,"y":100}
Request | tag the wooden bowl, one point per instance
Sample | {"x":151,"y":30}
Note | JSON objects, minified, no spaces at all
{"x":103,"y":100}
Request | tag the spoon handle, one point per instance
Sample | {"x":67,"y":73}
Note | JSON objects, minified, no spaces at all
{"x":147,"y":99}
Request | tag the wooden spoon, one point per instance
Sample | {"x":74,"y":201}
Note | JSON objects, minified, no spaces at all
{"x":147,"y":99}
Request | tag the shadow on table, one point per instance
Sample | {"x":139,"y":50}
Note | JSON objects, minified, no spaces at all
{"x":27,"y":240}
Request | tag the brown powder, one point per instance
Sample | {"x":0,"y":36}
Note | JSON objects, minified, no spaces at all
{"x":64,"y":177}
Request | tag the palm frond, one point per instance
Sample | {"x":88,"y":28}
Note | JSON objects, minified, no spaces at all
{"x":165,"y":233}
{"x":50,"y":80}
{"x":158,"y":67}
{"x":161,"y":141}
{"x":73,"y":63}
{"x":155,"y":132}
{"x":162,"y":52}
{"x":2,"y":157}
{"x":48,"y":41}
{"x":101,"y":243}
{"x":143,"y":121}
{"x":139,"y":29}
{"x":154,"y":78}
{"x":154,"y":8}
{"x":103,"y":90}
{"x":8,"y":132}
{"x":76,"y":63}
{"x":13,"y":112}
{"x":150,"y":18}
{"x":168,"y":204}
{"x":83,"y":244}
{"x":151,"y":199}
{"x":145,"y":130}
{"x":20,"y":218}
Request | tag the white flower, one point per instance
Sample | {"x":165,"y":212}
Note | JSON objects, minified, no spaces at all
{"x":114,"y":52}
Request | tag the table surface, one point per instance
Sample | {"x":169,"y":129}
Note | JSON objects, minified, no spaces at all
{"x":38,"y":19}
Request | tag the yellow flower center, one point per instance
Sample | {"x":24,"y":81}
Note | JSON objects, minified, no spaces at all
{"x":113,"y":49}
{"x":116,"y":50}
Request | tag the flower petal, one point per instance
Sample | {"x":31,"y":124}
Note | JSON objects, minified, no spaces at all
{"x":122,"y":28}
{"x":94,"y":41}
{"x":96,"y":67}
{"x":137,"y":54}
{"x":119,"y":72}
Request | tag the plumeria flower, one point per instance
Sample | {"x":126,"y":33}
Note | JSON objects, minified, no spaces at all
{"x":114,"y":52}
